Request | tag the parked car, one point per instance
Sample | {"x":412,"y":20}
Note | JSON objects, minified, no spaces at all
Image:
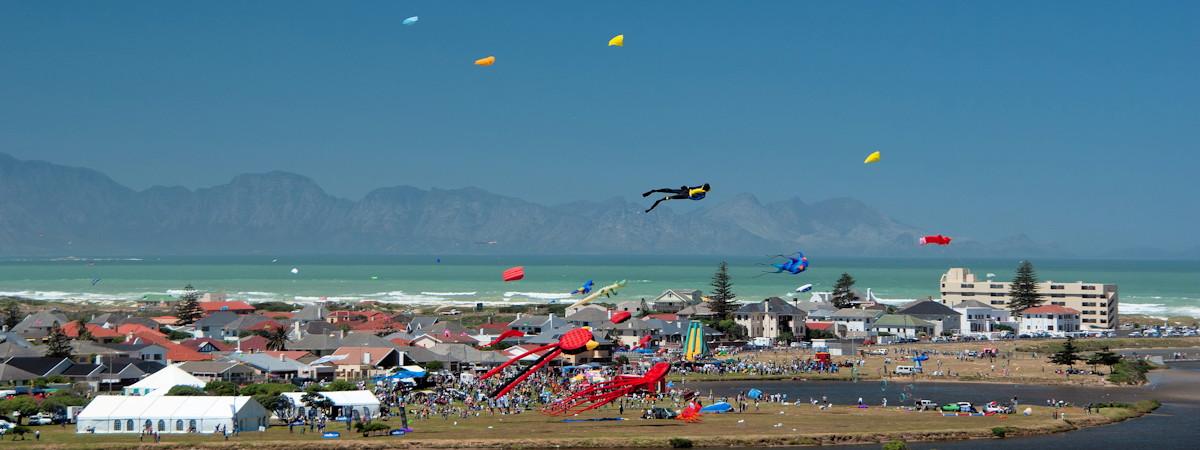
{"x":966,"y":407}
{"x":41,"y":419}
{"x":5,"y":426}
{"x":658,"y":413}
{"x":950,"y":407}
{"x":925,"y":405}
{"x":904,"y":370}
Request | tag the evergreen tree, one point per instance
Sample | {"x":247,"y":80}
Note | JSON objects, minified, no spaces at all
{"x":84,"y":333}
{"x":843,"y":292}
{"x":188,"y":309}
{"x":58,"y":345}
{"x":1023,"y":293}
{"x":721,"y":300}
{"x":1104,"y":358}
{"x":1068,"y":355}
{"x":12,"y":315}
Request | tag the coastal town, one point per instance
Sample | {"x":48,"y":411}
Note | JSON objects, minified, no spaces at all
{"x":204,"y":365}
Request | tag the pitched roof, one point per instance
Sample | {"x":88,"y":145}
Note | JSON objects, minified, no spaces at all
{"x":316,"y":342}
{"x":254,"y":343}
{"x":126,"y":328}
{"x":175,"y":352}
{"x":268,"y":363}
{"x":901,"y":321}
{"x":773,"y":305}
{"x":71,"y":329}
{"x":973,"y":304}
{"x":217,"y":319}
{"x":312,"y":312}
{"x":198,"y":343}
{"x":928,"y":308}
{"x":533,"y":320}
{"x":1050,"y":309}
{"x":290,"y":354}
{"x":663,"y":316}
{"x":852,"y":313}
{"x":195,"y":367}
{"x":354,"y":355}
{"x":819,"y":325}
{"x":699,"y":309}
{"x":40,"y":320}
{"x":418,"y":354}
{"x":363,"y":339}
{"x":160,"y":382}
{"x":235,"y":305}
{"x":11,"y":373}
{"x":82,"y":370}
{"x":37,"y":365}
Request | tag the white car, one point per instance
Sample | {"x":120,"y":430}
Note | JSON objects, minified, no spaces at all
{"x":41,"y":419}
{"x":5,"y":426}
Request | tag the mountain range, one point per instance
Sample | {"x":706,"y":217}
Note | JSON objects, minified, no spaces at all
{"x":51,"y":210}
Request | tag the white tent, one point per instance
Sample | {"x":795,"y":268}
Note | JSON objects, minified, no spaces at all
{"x":161,"y":382}
{"x":170,"y":414}
{"x":354,"y":404}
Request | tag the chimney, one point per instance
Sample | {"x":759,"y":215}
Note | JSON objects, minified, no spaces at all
{"x":366,"y":358}
{"x":281,"y":357}
{"x":342,"y":334}
{"x":296,"y":326}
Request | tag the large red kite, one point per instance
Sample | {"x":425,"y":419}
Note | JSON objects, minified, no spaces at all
{"x":935,"y":240}
{"x":514,"y":273}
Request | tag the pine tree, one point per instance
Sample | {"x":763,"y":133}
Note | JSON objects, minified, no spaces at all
{"x":843,"y":292}
{"x":84,"y":333}
{"x":1023,"y":294}
{"x":12,"y":315}
{"x":1068,"y":355}
{"x":58,"y":345}
{"x":188,"y":309}
{"x":721,"y":300}
{"x":1104,"y":358}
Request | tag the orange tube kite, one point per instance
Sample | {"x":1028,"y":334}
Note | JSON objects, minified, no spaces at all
{"x":485,"y":61}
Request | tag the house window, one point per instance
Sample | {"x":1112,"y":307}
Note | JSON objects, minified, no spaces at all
{"x":1088,"y":288}
{"x":1058,"y":295}
{"x":192,"y":425}
{"x":162,"y":425}
{"x":117,"y":425}
{"x":996,"y":286}
{"x":149,"y":425}
{"x":129,"y":424}
{"x":1056,"y":286}
{"x":967,"y":286}
{"x":179,"y":425}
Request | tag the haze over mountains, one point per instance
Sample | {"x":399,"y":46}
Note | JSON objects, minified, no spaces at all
{"x":53,"y":210}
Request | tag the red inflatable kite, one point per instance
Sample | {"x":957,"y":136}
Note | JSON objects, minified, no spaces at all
{"x":620,"y":317}
{"x":642,"y":342}
{"x":514,"y":274}
{"x":601,"y":394}
{"x":935,"y":240}
{"x":505,"y":335}
{"x":572,"y":342}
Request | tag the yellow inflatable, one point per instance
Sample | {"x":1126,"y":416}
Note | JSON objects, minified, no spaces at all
{"x":617,"y":41}
{"x":485,"y":61}
{"x":872,"y":158}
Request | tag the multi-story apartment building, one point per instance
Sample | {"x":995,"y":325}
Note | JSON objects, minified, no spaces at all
{"x":1096,"y":302}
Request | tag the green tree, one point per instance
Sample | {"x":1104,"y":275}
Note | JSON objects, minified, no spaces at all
{"x":221,"y":388}
{"x":315,"y":400}
{"x":12,"y":315}
{"x":188,"y":309}
{"x":433,"y":366}
{"x":187,"y":390}
{"x":58,"y":345}
{"x":22,"y":404}
{"x":1023,"y":293}
{"x":84,"y":333}
{"x":843,"y":292}
{"x":1068,"y":355}
{"x":277,"y":338}
{"x":340,"y":385}
{"x":721,"y":300}
{"x":1104,"y":358}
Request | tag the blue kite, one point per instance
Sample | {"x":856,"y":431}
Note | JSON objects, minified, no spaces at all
{"x":795,"y":264}
{"x":585,"y":289}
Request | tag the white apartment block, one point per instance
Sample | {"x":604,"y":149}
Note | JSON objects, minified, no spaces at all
{"x":1096,"y":302}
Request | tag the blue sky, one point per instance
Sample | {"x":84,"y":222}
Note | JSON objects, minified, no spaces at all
{"x":1074,"y":122}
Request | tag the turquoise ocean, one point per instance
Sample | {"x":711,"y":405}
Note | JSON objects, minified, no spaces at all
{"x":1149,"y":287}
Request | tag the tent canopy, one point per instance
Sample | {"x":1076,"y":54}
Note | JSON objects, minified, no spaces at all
{"x":161,"y":382}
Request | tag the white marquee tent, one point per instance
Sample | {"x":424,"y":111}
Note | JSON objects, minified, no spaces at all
{"x":354,"y":404}
{"x":170,"y":414}
{"x":161,"y":382}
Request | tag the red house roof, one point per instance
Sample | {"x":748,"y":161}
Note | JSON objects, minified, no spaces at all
{"x":824,"y":326}
{"x":1050,"y":309}
{"x":71,"y":329}
{"x":125,"y":329}
{"x":175,"y":352}
{"x":668,"y":317}
{"x":235,"y":306}
{"x":254,"y":344}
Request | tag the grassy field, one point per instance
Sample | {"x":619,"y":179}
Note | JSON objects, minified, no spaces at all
{"x":1024,"y":361}
{"x":773,"y":425}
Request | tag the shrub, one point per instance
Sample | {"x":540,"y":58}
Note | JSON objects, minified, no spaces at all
{"x":1000,"y":432}
{"x":186,"y":390}
{"x":20,"y":430}
{"x":1130,"y":372}
{"x":895,"y":445}
{"x":370,"y":427}
{"x":678,"y":442}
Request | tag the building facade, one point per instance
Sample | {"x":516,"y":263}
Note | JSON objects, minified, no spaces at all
{"x":1051,"y":319}
{"x":1097,"y":303}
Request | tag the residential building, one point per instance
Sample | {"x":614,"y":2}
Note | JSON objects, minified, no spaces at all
{"x":773,"y":318}
{"x":231,"y":371}
{"x":978,"y":318}
{"x":634,"y":307}
{"x":857,"y":322}
{"x":533,"y":324}
{"x":37,"y":326}
{"x":1097,"y":303}
{"x":945,"y":319}
{"x":353,"y":363}
{"x":903,"y":325}
{"x":673,"y":300}
{"x":1051,"y":319}
{"x":236,"y":307}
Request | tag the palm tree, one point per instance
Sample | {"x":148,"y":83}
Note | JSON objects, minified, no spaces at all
{"x":277,"y":338}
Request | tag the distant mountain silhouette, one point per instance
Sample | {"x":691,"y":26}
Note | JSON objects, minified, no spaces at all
{"x":48,"y":209}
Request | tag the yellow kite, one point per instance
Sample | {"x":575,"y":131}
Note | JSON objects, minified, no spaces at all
{"x":872,"y":158}
{"x":485,"y":61}
{"x":617,"y":41}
